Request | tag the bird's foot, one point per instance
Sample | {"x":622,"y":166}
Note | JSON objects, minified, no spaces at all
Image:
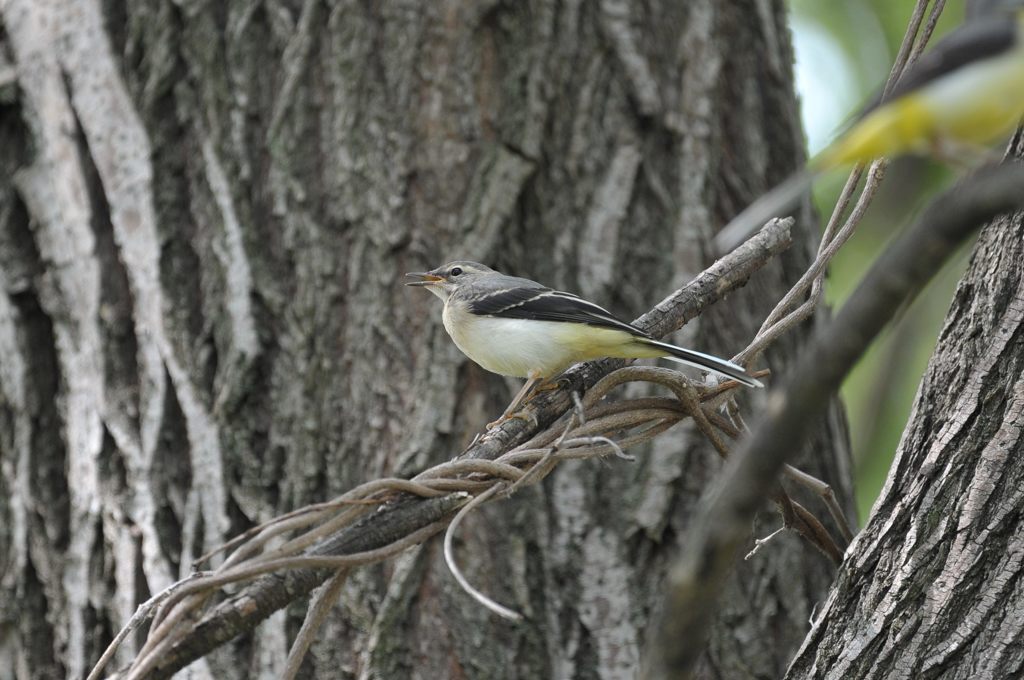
{"x":530,"y":390}
{"x":550,"y":385}
{"x":528,"y":416}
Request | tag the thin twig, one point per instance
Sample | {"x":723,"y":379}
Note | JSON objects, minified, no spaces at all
{"x":758,"y":542}
{"x":164,"y":638}
{"x":141,"y":615}
{"x":449,"y":557}
{"x":321,"y":605}
{"x":541,"y":466}
{"x":314,"y":513}
{"x":590,"y":441}
{"x":827,"y":495}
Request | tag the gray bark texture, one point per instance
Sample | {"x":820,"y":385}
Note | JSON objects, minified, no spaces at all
{"x":205,"y":212}
{"x":931,"y":587}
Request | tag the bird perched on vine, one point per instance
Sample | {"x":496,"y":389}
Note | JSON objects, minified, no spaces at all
{"x":964,"y":93}
{"x":520,"y":328}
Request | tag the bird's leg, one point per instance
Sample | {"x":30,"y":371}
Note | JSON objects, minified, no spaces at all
{"x":521,"y":398}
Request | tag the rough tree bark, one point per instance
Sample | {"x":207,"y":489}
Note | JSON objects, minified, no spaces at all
{"x":205,"y":210}
{"x":932,"y":585}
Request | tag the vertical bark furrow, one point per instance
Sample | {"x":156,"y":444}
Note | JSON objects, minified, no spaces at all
{"x":121,"y":150}
{"x":55,"y":192}
{"x":19,"y":263}
{"x":242,"y":342}
{"x":32,"y":462}
{"x":604,"y":221}
{"x":616,"y":23}
{"x":697,"y":137}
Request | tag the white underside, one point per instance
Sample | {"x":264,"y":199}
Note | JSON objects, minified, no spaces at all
{"x":524,"y":348}
{"x":542,"y":349}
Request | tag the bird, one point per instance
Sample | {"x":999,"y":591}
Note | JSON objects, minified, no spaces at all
{"x":520,"y":328}
{"x":960,"y":96}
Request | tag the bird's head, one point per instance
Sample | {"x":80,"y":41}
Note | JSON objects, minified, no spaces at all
{"x":448,"y":278}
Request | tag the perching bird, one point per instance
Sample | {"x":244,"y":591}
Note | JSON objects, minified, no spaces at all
{"x":963,"y":94}
{"x":520,"y":328}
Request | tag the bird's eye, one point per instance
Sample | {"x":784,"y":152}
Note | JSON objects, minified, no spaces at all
{"x":455,"y":271}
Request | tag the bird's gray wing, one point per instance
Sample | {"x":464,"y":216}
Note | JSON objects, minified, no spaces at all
{"x":544,"y":304}
{"x":976,"y":40}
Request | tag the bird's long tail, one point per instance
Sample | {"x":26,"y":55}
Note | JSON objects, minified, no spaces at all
{"x":704,"y":361}
{"x":770,"y":205}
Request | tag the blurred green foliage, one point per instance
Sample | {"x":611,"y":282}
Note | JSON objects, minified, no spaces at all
{"x":845,"y":49}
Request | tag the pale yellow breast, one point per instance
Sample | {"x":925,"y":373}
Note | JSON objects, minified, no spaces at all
{"x":521,"y":348}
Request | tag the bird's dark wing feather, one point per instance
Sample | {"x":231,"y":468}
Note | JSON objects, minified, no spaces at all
{"x":544,"y":304}
{"x":975,"y":40}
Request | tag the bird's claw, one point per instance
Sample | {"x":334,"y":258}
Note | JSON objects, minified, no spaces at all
{"x":528,"y":416}
{"x":550,"y":385}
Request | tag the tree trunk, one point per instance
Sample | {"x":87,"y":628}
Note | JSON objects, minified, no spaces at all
{"x":930,"y":587}
{"x":205,"y":212}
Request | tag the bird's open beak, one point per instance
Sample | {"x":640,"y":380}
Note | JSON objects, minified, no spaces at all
{"x":426,"y":279}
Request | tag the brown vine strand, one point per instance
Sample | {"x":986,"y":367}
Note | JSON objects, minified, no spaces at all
{"x":603,"y":410}
{"x":926,"y":34}
{"x":827,"y":495}
{"x":148,"y":658}
{"x":141,"y":615}
{"x":471,"y":465}
{"x":815,"y":485}
{"x":608,"y":408}
{"x":331,"y":526}
{"x":572,"y":452}
{"x":576,"y":417}
{"x":304,"y":540}
{"x":322,"y":603}
{"x":453,"y":567}
{"x":311,"y":514}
